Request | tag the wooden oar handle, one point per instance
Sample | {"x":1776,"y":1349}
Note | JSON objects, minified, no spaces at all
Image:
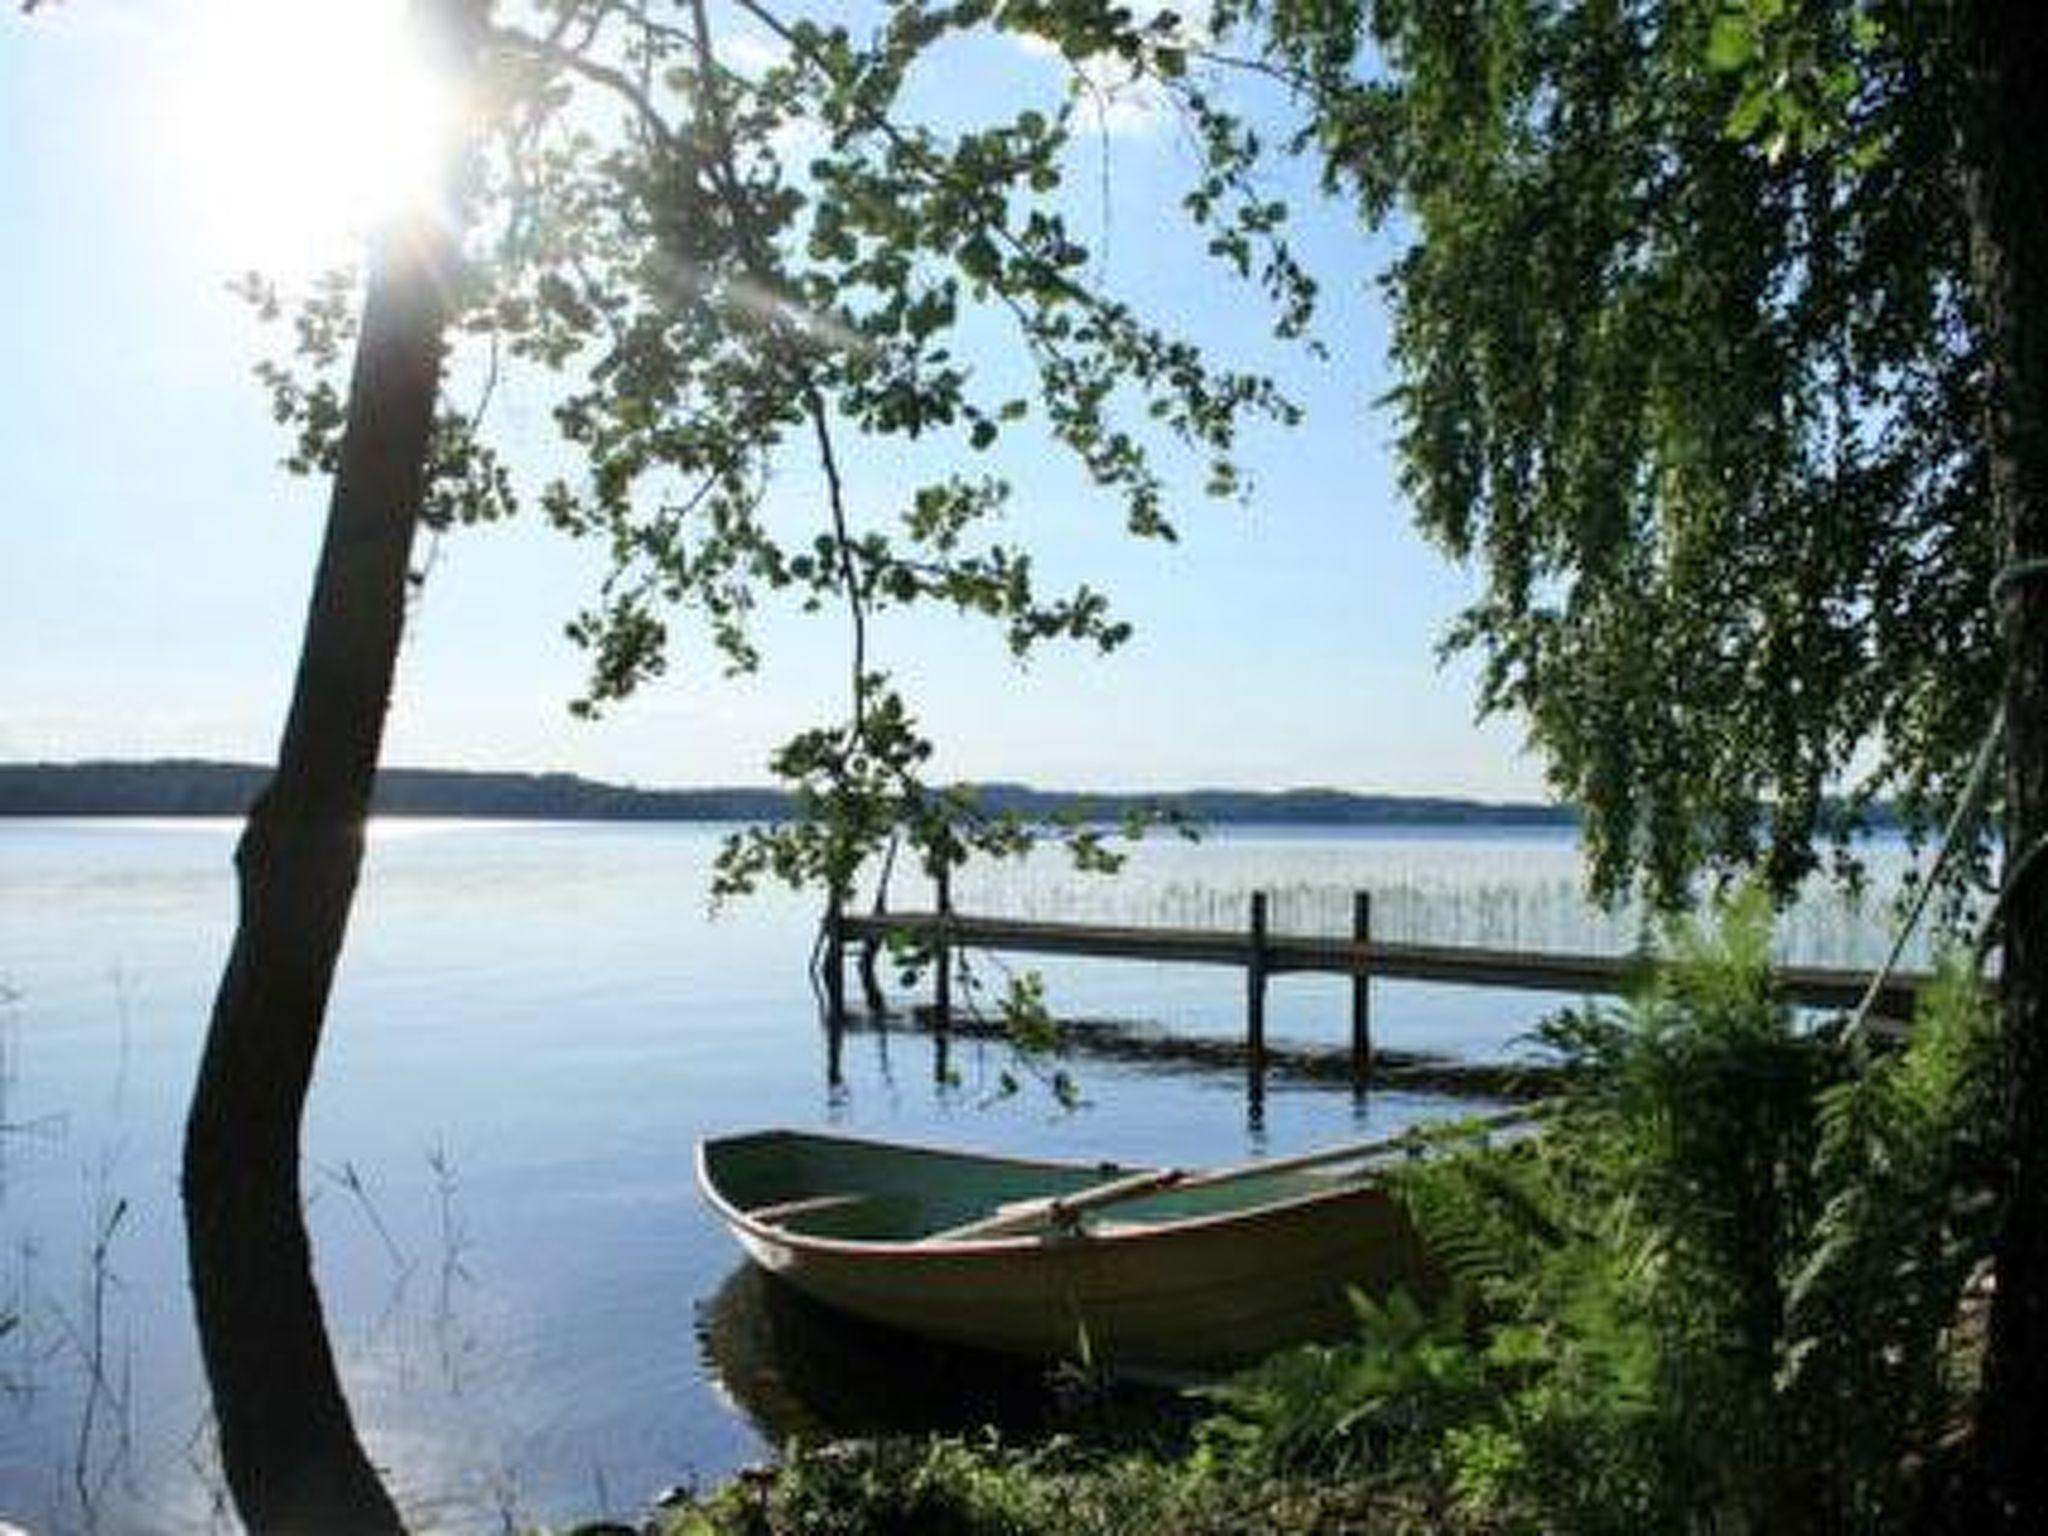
{"x":1059,"y":1210}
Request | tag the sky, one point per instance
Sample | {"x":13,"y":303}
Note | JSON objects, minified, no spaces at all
{"x":155,"y":560}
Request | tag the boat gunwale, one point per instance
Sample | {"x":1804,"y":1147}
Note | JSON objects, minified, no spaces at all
{"x":898,"y":1249}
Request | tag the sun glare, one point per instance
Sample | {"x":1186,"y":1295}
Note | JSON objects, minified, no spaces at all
{"x":293,"y":126}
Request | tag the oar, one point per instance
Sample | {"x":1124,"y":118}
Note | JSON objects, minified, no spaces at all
{"x":1063,"y":1210}
{"x":1413,"y":1139}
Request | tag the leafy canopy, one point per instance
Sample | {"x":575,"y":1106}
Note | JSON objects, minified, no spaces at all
{"x":1689,"y":372}
{"x":720,"y":261}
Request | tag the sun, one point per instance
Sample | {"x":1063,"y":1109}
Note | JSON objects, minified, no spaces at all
{"x":293,"y":126}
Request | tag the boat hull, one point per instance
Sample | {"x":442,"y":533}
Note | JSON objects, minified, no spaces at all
{"x":1168,"y":1294}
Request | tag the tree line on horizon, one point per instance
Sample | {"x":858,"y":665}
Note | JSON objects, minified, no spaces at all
{"x":187,"y":787}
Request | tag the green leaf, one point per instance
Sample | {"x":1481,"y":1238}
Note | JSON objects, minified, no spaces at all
{"x":1749,"y":113}
{"x":978,"y":257}
{"x":1732,"y":43}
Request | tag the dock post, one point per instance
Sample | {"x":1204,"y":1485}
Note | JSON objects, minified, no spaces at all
{"x":835,"y":959}
{"x":1361,"y":989}
{"x":834,"y":962}
{"x":942,"y":952}
{"x":1255,"y":985}
{"x":870,"y":981}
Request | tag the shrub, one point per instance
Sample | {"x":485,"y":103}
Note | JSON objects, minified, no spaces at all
{"x":1718,"y":1294}
{"x":948,"y":1487}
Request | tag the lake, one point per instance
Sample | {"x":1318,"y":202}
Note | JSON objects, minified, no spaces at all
{"x":533,"y":1025}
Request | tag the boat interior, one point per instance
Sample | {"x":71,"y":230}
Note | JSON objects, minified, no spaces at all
{"x":823,"y":1186}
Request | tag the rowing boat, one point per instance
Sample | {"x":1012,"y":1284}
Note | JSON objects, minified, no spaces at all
{"x":1144,"y":1270}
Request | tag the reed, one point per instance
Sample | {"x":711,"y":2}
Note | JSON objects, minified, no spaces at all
{"x":1467,"y":904}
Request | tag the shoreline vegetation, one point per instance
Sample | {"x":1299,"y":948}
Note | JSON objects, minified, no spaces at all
{"x":191,"y":787}
{"x":1739,"y":1284}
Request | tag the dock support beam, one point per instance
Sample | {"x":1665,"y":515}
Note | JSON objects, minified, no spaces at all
{"x":835,"y":959}
{"x":870,"y":980}
{"x":942,"y":952}
{"x":1361,"y":989}
{"x":835,"y":989}
{"x":1255,"y":985}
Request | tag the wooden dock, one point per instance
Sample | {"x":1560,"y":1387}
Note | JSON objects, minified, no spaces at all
{"x":1526,"y":970}
{"x":1262,"y":954}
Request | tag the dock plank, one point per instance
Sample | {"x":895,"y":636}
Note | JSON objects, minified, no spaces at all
{"x":1459,"y":965}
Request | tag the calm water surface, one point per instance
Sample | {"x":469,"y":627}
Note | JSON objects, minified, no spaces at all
{"x":532,"y":1027}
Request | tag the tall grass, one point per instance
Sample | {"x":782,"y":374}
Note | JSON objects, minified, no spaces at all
{"x":1540,"y":907}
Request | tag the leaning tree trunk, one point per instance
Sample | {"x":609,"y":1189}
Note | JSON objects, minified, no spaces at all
{"x":287,"y":1444}
{"x":2005,"y":60}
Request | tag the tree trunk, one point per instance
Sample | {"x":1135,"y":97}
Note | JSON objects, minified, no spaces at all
{"x":2005,"y":130}
{"x":287,"y":1443}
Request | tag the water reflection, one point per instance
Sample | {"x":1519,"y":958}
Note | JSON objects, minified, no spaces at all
{"x":801,"y":1371}
{"x":1087,"y":1044}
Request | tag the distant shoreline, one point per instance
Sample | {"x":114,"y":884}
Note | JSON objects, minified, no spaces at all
{"x":185,"y":787}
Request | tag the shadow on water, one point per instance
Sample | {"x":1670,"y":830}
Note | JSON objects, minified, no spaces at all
{"x":1145,"y":1044}
{"x":800,"y":1370}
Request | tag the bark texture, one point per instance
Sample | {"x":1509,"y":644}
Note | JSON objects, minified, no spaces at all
{"x":2006,"y":150}
{"x":288,"y":1445}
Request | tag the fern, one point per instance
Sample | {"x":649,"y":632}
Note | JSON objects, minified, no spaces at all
{"x":1906,"y":1160}
{"x":1487,"y":1216}
{"x":1718,"y":1295}
{"x":1376,"y":1405}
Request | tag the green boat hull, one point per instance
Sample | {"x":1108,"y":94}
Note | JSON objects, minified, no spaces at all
{"x":1169,"y":1282}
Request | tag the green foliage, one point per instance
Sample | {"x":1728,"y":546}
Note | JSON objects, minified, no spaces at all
{"x":1697,"y":1108}
{"x":1909,"y":1160}
{"x":1528,"y":1399}
{"x":1718,"y":1293}
{"x":1034,"y":1037}
{"x":714,"y":271}
{"x":1689,"y":368}
{"x":1803,"y":71}
{"x":984,"y":1488}
{"x":946,"y":1488}
{"x":1381,"y":1403}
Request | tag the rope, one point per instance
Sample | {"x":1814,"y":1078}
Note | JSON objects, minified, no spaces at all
{"x":1968,"y":808}
{"x":1966,"y":811}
